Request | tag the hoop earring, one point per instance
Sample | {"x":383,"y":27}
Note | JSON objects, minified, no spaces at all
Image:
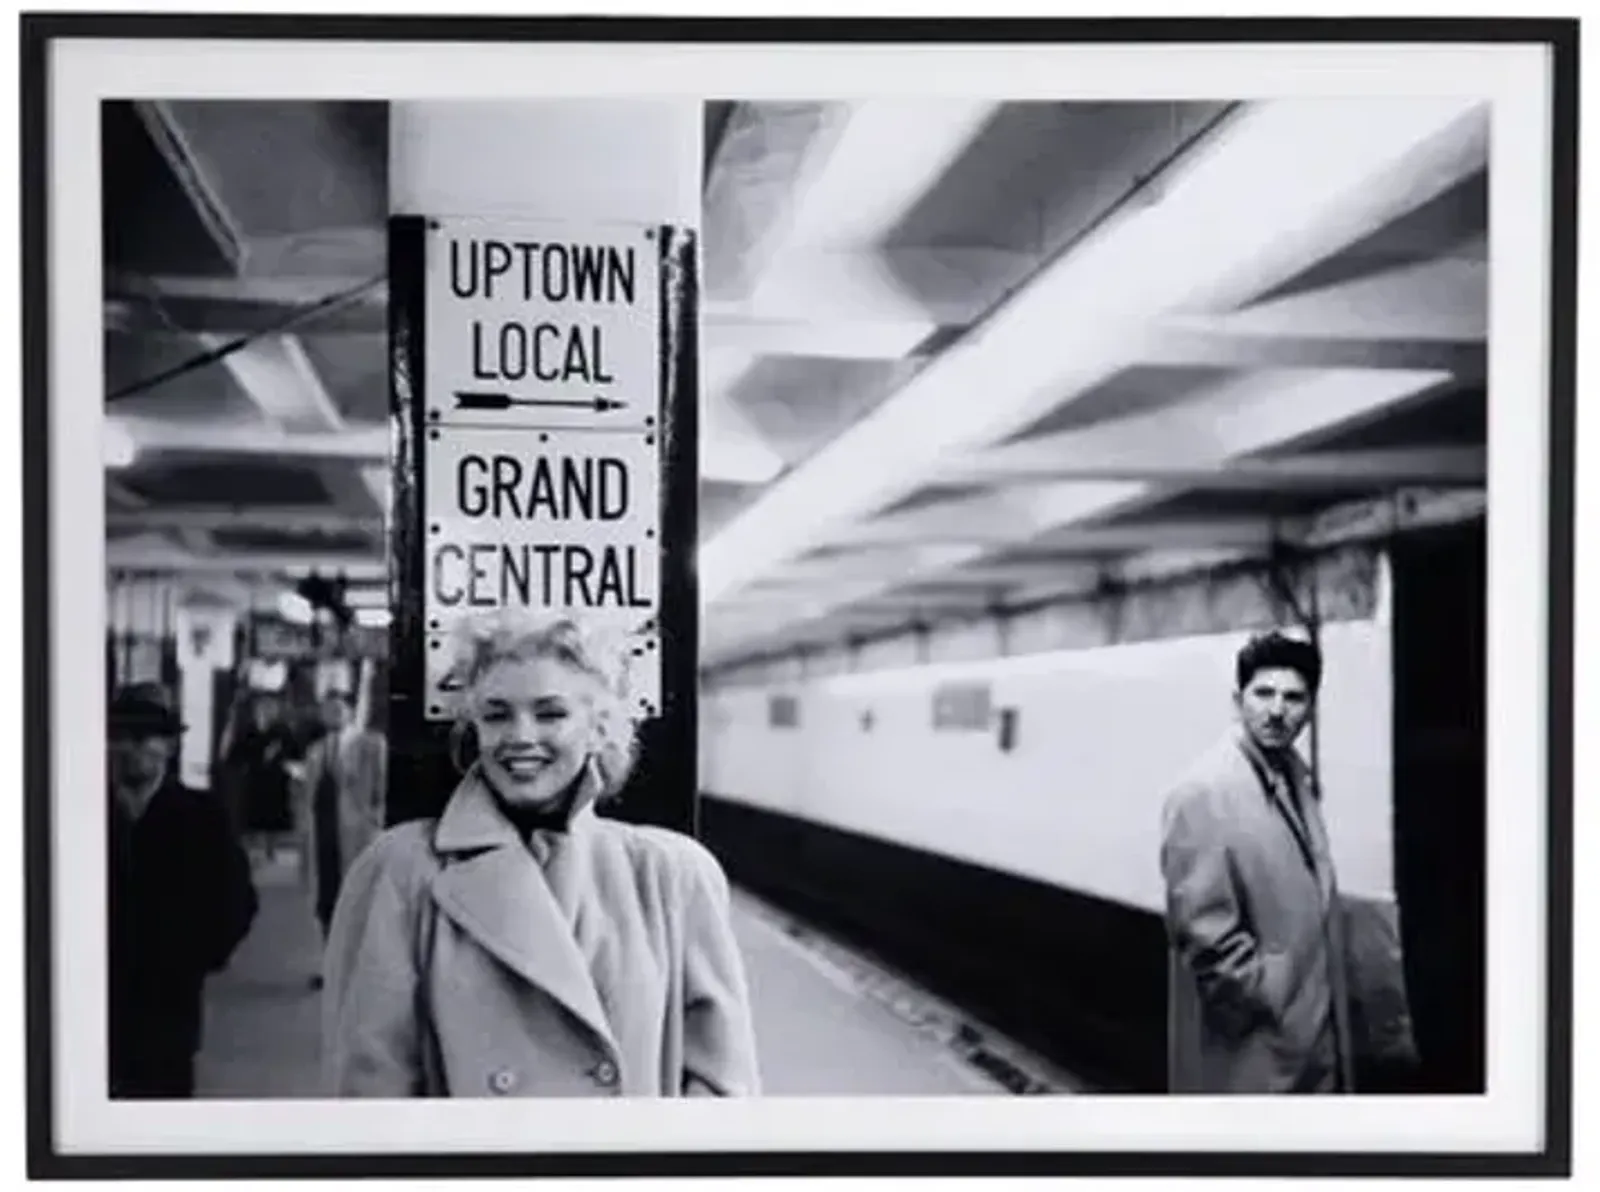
{"x":462,"y":736}
{"x":595,"y":769}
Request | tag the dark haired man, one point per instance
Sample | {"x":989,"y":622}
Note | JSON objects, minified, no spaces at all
{"x":1259,"y":1000}
{"x":181,"y":899}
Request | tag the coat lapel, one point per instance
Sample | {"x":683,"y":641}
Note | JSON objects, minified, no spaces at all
{"x":1327,"y":882}
{"x":497,"y":893}
{"x":1316,"y":830}
{"x":1282,"y":804}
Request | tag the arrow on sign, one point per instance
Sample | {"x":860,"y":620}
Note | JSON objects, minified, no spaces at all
{"x":504,"y":401}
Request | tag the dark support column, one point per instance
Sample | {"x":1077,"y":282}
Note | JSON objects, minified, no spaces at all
{"x":1440,"y":782}
{"x":663,"y":789}
{"x":421,"y":775}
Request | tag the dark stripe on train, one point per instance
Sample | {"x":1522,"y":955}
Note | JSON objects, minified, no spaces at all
{"x":1079,"y":980}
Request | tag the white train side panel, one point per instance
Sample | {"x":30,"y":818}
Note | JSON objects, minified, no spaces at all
{"x":1101,"y":736}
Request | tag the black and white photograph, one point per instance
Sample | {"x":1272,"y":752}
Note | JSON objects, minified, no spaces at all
{"x":997,"y":597}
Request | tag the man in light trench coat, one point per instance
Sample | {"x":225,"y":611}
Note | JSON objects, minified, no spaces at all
{"x":346,"y":776}
{"x":1259,"y":997}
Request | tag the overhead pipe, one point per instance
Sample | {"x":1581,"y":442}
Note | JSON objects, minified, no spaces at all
{"x":303,"y":315}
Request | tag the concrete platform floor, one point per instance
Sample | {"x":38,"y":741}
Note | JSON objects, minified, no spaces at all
{"x":817,"y":1032}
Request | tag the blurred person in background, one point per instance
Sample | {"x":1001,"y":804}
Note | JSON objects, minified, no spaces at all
{"x":520,"y":944}
{"x":180,"y":899}
{"x":344,"y":782}
{"x":1259,"y":985}
{"x":260,"y":755}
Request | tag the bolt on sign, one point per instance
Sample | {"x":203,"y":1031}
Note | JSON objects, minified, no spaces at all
{"x":542,"y":458}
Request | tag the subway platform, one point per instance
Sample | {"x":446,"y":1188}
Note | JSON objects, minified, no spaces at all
{"x":829,"y":1020}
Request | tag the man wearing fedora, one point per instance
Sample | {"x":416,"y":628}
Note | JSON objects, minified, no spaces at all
{"x":181,"y":899}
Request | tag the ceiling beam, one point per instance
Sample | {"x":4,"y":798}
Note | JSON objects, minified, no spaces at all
{"x":290,"y":519}
{"x":285,"y":291}
{"x":766,"y":151}
{"x":245,"y":317}
{"x":175,"y":149}
{"x":1069,"y":566}
{"x":282,"y":382}
{"x":349,"y":489}
{"x":232,"y":306}
{"x":1162,"y":564}
{"x":1209,"y":342}
{"x":1137,"y":536}
{"x":1386,"y":467}
{"x":1409,"y":509}
{"x":365,"y":444}
{"x":357,"y":252}
{"x":118,"y":493}
{"x":865,"y":563}
{"x":871,"y":283}
{"x":1444,"y":300}
{"x":172,"y":558}
{"x":813,"y":176}
{"x":1236,"y":417}
{"x":821,"y":333}
{"x":886,"y":155}
{"x":731,"y":448}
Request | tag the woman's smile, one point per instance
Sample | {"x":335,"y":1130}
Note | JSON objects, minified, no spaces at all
{"x":523,"y":766}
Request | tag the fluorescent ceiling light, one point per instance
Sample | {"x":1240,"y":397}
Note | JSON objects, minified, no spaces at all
{"x":373,"y":618}
{"x":259,"y":438}
{"x":1282,"y":183}
{"x":295,"y":608}
{"x":372,"y":596}
{"x":118,"y":449}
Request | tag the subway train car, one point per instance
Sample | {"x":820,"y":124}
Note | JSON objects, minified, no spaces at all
{"x":990,"y":822}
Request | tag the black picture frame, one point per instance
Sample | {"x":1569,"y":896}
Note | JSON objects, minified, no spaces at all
{"x":39,"y":32}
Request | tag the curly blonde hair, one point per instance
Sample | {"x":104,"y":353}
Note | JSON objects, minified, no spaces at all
{"x":483,"y":641}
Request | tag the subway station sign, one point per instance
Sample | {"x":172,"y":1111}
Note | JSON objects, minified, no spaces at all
{"x":541,"y":454}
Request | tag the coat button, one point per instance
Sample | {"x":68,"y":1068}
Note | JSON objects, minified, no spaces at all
{"x":606,"y":1072}
{"x":503,"y":1080}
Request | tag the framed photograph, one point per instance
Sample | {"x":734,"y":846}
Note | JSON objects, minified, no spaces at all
{"x":823,"y":596}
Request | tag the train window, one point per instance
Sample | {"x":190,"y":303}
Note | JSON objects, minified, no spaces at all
{"x":783,"y":711}
{"x":961,"y":707}
{"x":1008,"y":729}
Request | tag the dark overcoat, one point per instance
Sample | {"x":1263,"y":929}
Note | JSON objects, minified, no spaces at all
{"x":181,"y":899}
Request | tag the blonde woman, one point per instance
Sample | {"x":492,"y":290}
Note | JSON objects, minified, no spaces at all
{"x":521,"y":945}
